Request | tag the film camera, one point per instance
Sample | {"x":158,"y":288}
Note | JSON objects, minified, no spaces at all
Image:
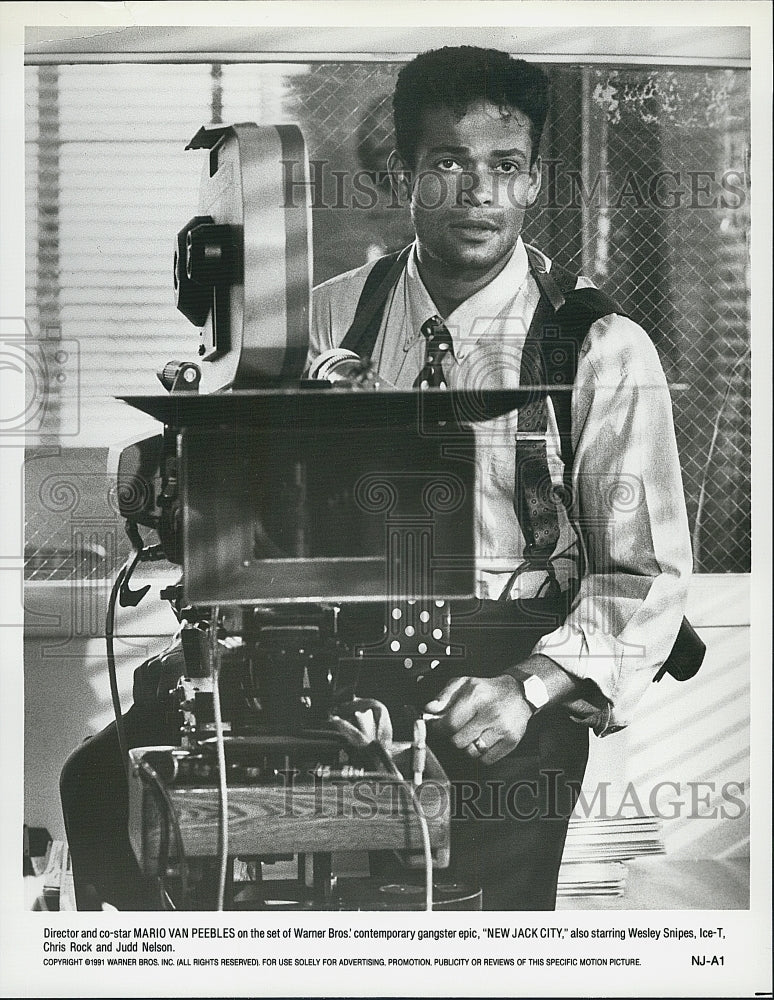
{"x":322,"y":534}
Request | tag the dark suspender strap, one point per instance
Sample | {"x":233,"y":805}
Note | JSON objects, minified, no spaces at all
{"x":553,"y":284}
{"x":534,"y":502}
{"x":550,"y":357}
{"x":539,"y":365}
{"x":382,"y":278}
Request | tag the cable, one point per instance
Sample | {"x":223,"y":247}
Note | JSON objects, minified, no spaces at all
{"x":220,"y":745}
{"x":355,"y":736}
{"x":389,"y":763}
{"x":162,"y":863}
{"x":122,"y":579}
{"x":123,"y":748}
{"x":148,"y":773}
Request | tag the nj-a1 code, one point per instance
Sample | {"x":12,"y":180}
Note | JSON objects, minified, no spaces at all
{"x":707,"y":959}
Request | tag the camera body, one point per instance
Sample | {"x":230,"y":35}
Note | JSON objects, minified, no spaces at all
{"x":302,"y":514}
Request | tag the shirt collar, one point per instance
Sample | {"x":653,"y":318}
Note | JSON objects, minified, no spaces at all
{"x":470,"y":320}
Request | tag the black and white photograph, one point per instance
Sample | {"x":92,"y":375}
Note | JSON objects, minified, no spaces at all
{"x":385,"y":503}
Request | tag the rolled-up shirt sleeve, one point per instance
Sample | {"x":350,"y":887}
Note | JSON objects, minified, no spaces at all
{"x":629,"y":509}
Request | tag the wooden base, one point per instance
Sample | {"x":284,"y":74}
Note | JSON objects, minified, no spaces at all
{"x":372,"y":813}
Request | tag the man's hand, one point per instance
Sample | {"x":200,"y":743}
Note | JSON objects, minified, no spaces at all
{"x":486,"y":717}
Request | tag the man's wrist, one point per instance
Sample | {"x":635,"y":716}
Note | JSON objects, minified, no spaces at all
{"x":535,"y":692}
{"x":543,"y":682}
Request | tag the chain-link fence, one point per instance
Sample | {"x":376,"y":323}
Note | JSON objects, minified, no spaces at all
{"x":644,"y":190}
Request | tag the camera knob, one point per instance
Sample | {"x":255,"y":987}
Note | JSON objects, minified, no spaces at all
{"x":210,"y":254}
{"x":180,"y":376}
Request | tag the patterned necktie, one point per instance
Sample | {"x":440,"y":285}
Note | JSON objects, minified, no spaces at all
{"x":439,"y":344}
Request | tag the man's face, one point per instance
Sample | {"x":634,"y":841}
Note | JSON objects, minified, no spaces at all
{"x":471,"y":186}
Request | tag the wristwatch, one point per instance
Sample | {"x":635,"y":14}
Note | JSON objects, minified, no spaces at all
{"x":535,"y":692}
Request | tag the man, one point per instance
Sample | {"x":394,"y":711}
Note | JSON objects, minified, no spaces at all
{"x":513,"y":727}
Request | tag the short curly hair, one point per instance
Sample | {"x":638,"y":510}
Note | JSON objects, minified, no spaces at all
{"x":454,"y":77}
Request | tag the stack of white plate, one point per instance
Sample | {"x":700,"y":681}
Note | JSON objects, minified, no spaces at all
{"x":595,"y":849}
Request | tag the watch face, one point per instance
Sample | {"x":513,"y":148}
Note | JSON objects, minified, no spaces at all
{"x":535,"y":692}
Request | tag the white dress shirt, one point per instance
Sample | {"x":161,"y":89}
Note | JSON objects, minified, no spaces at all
{"x":626,"y":472}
